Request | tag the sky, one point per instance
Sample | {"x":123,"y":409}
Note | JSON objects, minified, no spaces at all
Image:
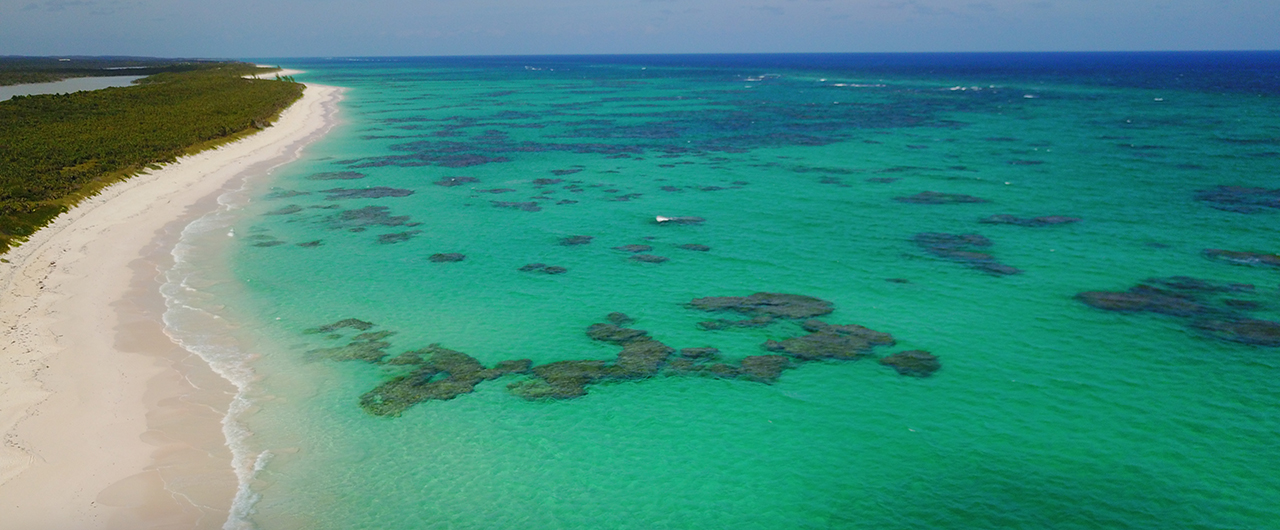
{"x":323,"y":28}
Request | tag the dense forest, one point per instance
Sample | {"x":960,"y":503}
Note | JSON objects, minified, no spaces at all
{"x":20,"y":70}
{"x":58,"y":149}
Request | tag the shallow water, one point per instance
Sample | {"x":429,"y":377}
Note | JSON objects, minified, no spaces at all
{"x":1046,"y":412}
{"x":66,"y":86}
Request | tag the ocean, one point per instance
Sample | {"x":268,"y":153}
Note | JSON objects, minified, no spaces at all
{"x":672,"y":292}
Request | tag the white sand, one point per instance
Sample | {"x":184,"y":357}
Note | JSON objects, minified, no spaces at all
{"x":107,"y":423}
{"x":272,"y":75}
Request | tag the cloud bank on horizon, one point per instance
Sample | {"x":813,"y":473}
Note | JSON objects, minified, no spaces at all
{"x":281,"y":28}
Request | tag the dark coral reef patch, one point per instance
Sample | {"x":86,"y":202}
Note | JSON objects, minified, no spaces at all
{"x":778,"y":305}
{"x":962,"y":248}
{"x":1213,"y":309}
{"x":934,"y":197}
{"x":336,"y":175}
{"x":1243,"y":258}
{"x":437,"y":373}
{"x":1034,"y":222}
{"x":377,"y":192}
{"x":1240,"y":199}
{"x":915,"y":363}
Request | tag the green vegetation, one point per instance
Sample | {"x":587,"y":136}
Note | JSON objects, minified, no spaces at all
{"x":58,"y":149}
{"x":20,"y":70}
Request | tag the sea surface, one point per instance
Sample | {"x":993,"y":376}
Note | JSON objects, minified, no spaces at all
{"x":1080,"y":240}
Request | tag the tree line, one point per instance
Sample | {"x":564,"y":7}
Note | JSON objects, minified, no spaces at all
{"x":58,"y":149}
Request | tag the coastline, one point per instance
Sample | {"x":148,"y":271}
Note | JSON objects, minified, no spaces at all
{"x":107,"y":422}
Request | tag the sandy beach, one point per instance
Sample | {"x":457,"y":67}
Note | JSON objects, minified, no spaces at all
{"x":281,"y":72}
{"x":107,"y":422}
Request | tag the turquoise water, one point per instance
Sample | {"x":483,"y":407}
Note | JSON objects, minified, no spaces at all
{"x":1046,"y":413}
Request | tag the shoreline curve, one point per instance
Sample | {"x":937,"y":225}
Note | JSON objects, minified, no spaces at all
{"x":106,"y":421}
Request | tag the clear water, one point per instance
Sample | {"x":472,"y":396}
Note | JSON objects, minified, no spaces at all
{"x":1047,"y":413}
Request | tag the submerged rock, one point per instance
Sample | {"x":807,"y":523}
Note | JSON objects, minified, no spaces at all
{"x":399,"y":237}
{"x":778,"y":305}
{"x":290,"y":209}
{"x":365,"y":217}
{"x":285,"y":194}
{"x":757,"y":322}
{"x":447,"y":257}
{"x":639,"y":359}
{"x":960,"y":248}
{"x":523,"y":206}
{"x":1240,"y":199}
{"x":1242,"y":330}
{"x":764,"y":368}
{"x":1143,"y":298}
{"x":576,"y":240}
{"x":934,"y":197}
{"x":1244,"y":258}
{"x":561,"y":380}
{"x":1210,"y":308}
{"x":1034,"y":222}
{"x":615,"y":334}
{"x":829,"y":341}
{"x":544,"y":268}
{"x":699,"y":353}
{"x":336,"y":175}
{"x":648,"y":258}
{"x":518,"y":366}
{"x":370,"y":349}
{"x":915,"y":363}
{"x":338,"y":194}
{"x":437,"y":373}
{"x":873,"y":337}
{"x":353,"y":323}
{"x":440,"y":374}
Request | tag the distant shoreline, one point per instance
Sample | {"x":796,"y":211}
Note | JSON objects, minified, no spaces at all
{"x":108,"y":423}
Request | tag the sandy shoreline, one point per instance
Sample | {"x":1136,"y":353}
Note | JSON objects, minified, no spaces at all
{"x":107,"y":422}
{"x":281,"y":72}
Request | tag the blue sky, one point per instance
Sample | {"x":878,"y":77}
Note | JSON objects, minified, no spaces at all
{"x":267,"y":28}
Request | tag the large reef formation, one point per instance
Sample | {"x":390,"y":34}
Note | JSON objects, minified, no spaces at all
{"x":1214,"y":309}
{"x":438,"y":373}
